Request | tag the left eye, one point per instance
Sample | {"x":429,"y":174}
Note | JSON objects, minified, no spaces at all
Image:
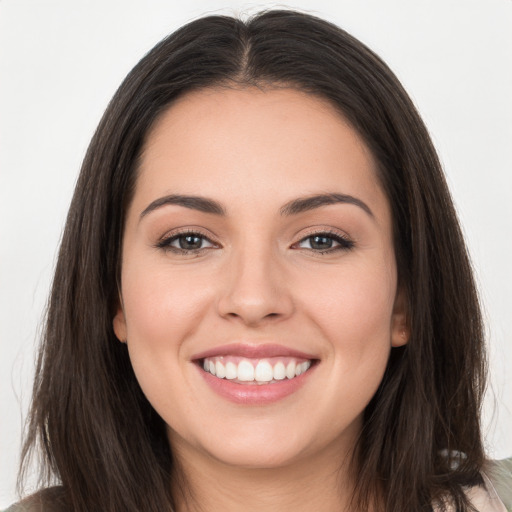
{"x":324,"y":242}
{"x":187,"y":242}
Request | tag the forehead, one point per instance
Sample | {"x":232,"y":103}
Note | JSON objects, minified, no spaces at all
{"x":253,"y":145}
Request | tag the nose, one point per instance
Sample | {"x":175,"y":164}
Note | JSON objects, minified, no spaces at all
{"x":254,"y":289}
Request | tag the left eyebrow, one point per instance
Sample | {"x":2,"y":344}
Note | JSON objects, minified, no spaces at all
{"x":201,"y":204}
{"x":304,"y":204}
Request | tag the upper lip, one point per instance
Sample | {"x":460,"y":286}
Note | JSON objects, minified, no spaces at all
{"x":249,"y":351}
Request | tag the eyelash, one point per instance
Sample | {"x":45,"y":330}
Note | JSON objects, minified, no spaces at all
{"x":344,"y":243}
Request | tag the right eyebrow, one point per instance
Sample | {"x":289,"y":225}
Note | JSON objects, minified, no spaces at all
{"x":202,"y":204}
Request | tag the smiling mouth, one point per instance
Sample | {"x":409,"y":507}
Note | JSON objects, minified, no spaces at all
{"x":243,"y":370}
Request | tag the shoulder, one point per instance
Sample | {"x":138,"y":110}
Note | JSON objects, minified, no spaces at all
{"x":46,"y":500}
{"x":498,"y":475}
{"x":495,"y":494}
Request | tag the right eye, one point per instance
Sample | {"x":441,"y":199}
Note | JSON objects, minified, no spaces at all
{"x":189,"y":242}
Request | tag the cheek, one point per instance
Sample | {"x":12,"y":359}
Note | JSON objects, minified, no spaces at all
{"x":160,"y":306}
{"x":162,"y":310}
{"x":354,"y":299}
{"x":352,"y":308}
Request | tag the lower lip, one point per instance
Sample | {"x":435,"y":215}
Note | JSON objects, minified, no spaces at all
{"x":255,"y":394}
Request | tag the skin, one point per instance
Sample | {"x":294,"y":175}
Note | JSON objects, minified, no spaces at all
{"x":259,"y":280}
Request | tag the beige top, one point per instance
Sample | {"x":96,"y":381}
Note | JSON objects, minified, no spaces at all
{"x":486,"y":499}
{"x":498,"y":480}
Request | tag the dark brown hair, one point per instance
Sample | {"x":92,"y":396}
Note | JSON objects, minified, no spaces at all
{"x":98,"y":435}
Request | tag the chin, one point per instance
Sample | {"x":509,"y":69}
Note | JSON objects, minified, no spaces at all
{"x":258,"y":457}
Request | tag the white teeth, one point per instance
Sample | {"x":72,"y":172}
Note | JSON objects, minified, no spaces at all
{"x":290,"y":370}
{"x":262,"y":373}
{"x":245,"y":371}
{"x":279,"y":371}
{"x":302,"y":367}
{"x":231,"y":371}
{"x":220,"y":371}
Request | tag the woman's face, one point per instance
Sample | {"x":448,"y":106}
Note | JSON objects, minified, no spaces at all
{"x":258,"y":246}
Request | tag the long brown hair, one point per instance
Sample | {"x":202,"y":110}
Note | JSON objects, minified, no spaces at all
{"x":99,"y":436}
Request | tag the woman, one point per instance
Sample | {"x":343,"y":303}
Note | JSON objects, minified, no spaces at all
{"x":263,"y":299}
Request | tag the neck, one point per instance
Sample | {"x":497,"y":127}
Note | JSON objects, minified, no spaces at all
{"x":319,"y":483}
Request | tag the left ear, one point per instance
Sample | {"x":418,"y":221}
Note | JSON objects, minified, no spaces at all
{"x":119,"y":324}
{"x":400,"y":329}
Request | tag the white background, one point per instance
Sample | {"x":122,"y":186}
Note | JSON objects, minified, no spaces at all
{"x":61,"y":61}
